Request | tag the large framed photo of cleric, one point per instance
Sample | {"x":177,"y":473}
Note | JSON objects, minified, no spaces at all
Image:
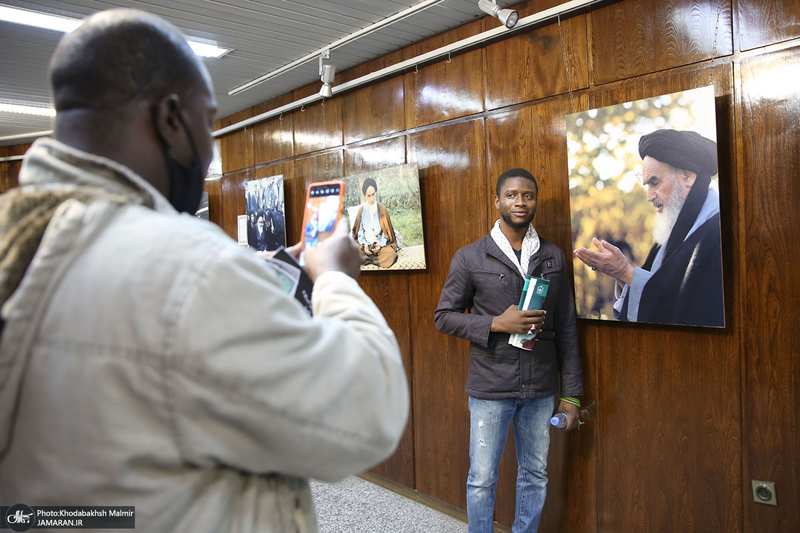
{"x":384,"y":210}
{"x":266,"y":229}
{"x":644,"y":202}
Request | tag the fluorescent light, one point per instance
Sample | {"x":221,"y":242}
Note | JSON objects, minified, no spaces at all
{"x":27,"y":110}
{"x":208,"y":50}
{"x":67,"y":24}
{"x":38,"y":19}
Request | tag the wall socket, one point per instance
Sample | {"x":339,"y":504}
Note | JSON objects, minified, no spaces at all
{"x":764,"y":492}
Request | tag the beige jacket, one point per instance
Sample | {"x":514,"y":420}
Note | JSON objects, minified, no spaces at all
{"x":149,"y":360}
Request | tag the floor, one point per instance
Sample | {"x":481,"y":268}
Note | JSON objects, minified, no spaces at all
{"x":358,"y":506}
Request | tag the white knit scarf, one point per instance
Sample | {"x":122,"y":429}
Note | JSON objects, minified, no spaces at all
{"x":530,"y":245}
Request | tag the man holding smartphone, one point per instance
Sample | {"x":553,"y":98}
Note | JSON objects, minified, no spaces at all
{"x":146,"y":359}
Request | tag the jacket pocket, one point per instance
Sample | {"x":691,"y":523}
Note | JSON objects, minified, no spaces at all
{"x":496,"y":290}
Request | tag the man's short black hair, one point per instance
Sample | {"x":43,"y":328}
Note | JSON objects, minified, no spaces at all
{"x":515,"y":173}
{"x":120,"y":56}
{"x":366,"y":185}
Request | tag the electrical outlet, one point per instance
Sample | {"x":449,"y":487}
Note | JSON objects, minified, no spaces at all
{"x":764,"y":492}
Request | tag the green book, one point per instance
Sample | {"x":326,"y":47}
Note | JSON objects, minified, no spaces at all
{"x":533,"y":294}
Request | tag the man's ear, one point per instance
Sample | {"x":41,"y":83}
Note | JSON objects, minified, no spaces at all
{"x":687,"y":178}
{"x":167,"y":123}
{"x":496,"y":202}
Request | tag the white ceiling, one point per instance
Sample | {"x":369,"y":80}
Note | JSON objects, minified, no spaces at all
{"x":265,"y":35}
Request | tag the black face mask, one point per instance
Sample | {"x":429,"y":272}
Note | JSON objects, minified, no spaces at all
{"x":185,"y":183}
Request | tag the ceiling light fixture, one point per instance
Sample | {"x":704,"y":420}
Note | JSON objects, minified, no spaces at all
{"x":327,"y":72}
{"x":537,"y":18}
{"x":47,"y":21}
{"x":334,"y":45}
{"x":38,"y":19}
{"x":27,"y":110}
{"x":508,"y":17}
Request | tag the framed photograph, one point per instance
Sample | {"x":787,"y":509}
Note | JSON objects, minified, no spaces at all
{"x":266,"y":226}
{"x":384,"y":210}
{"x":644,"y":206}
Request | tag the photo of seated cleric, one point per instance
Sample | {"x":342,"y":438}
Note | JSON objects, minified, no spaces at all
{"x":372,"y":229}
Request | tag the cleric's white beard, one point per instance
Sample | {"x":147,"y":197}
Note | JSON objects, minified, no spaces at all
{"x":373,"y":209}
{"x":665,"y":220}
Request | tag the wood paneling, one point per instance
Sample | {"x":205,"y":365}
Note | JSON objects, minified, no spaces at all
{"x":764,"y":22}
{"x":638,"y":37}
{"x":389,"y":291}
{"x":273,"y":139}
{"x":233,"y":199}
{"x":533,"y":64}
{"x":376,"y":109}
{"x":318,"y":126}
{"x":769,"y":154}
{"x":445,"y":89}
{"x":214,"y":190}
{"x":9,"y":170}
{"x":452,"y":177}
{"x":236,"y":150}
{"x":669,"y":399}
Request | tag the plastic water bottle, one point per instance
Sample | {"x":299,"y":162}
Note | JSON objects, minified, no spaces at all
{"x":559,"y":420}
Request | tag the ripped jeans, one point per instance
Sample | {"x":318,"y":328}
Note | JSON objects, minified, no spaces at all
{"x":489,"y":420}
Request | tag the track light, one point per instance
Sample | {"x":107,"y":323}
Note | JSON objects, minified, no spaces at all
{"x":508,"y":17}
{"x":326,"y":72}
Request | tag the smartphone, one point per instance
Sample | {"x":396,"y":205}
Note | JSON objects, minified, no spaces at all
{"x":322,"y":212}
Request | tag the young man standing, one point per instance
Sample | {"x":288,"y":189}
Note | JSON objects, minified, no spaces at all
{"x":508,"y":384}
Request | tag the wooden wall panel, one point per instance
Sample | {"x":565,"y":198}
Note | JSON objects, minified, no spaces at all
{"x":452,"y":175}
{"x":769,"y":153}
{"x":376,"y":109}
{"x":214,"y":190}
{"x":389,"y":291}
{"x":236,"y":150}
{"x":273,"y":139}
{"x":9,"y":170}
{"x":764,"y":22}
{"x":531,"y":65}
{"x":233,"y":199}
{"x":669,"y":398}
{"x":318,"y":126}
{"x":638,"y":37}
{"x":445,"y":89}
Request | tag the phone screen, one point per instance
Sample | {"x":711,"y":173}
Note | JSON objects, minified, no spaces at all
{"x":322,"y":211}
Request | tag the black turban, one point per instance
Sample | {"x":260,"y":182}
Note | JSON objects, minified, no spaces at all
{"x":685,"y":150}
{"x":366,"y":185}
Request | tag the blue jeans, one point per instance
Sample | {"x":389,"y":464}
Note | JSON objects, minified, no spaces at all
{"x":489,"y":420}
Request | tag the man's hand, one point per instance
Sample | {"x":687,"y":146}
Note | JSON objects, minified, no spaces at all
{"x":573,"y":414}
{"x":339,"y":252}
{"x":609,"y":260}
{"x":515,"y":321}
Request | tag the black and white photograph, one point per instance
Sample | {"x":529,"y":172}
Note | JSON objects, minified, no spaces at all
{"x":266,"y":229}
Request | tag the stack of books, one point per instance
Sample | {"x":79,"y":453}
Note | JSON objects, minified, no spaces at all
{"x":533,"y":295}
